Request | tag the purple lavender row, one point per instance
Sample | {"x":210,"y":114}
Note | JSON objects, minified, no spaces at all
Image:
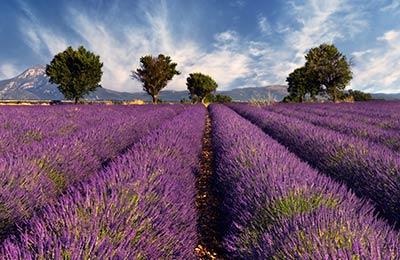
{"x":141,"y":207}
{"x":371,"y":171}
{"x":388,"y":138}
{"x":384,"y":110}
{"x":278,"y":207}
{"x":327,"y":110}
{"x":41,"y":172}
{"x":31,"y":125}
{"x":379,"y":117}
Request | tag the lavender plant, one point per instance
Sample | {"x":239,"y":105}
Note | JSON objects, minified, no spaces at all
{"x":278,"y":207}
{"x":386,"y":137}
{"x":140,"y":207}
{"x":35,"y":174}
{"x":371,"y":171}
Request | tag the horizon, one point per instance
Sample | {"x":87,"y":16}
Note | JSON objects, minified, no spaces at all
{"x":239,"y":43}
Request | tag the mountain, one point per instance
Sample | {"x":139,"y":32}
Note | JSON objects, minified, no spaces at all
{"x":33,"y":84}
{"x":386,"y":96}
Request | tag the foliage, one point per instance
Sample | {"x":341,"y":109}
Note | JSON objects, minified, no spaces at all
{"x":326,"y":71}
{"x":329,"y":68}
{"x":291,"y":98}
{"x":199,"y":86}
{"x":155,"y":73}
{"x":210,"y":98}
{"x":78,"y":72}
{"x":184,"y":101}
{"x":301,"y":82}
{"x":359,"y":95}
{"x":219,"y":98}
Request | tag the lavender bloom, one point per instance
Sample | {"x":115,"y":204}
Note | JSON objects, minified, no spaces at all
{"x":371,"y":171}
{"x":387,"y":137}
{"x":35,"y":173}
{"x":277,"y":207}
{"x":142,"y":206}
{"x":380,"y":114}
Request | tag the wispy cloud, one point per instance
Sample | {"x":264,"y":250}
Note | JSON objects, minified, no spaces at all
{"x":121,"y":54}
{"x":377,"y":68}
{"x":230,"y":58}
{"x":8,"y":70}
{"x":394,"y":6}
{"x":264,"y":25}
{"x":41,"y":39}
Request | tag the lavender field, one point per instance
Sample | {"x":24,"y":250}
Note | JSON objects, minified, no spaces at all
{"x":235,"y":181}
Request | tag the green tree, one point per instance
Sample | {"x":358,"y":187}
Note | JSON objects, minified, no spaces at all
{"x":200,"y":85}
{"x":155,"y":73}
{"x":219,"y":98}
{"x":329,"y":68}
{"x":297,"y":84}
{"x":77,"y":72}
{"x":359,"y":95}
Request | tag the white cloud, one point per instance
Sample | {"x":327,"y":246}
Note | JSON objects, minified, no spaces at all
{"x":238,"y":3}
{"x":264,"y":25}
{"x":8,"y":70}
{"x":41,"y":39}
{"x":230,"y":58}
{"x":121,"y":55}
{"x":321,"y":24}
{"x":376,"y":69}
{"x":394,"y":6}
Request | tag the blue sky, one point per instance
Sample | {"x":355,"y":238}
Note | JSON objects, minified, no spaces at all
{"x":240,"y":43}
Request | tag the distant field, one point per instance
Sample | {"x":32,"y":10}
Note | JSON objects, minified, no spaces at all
{"x":236,"y":181}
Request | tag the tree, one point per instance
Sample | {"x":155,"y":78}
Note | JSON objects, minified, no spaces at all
{"x":200,"y":85}
{"x":359,"y":95}
{"x":297,"y":84}
{"x":77,"y":72}
{"x":223,"y":99}
{"x":329,"y":68}
{"x":155,"y":74}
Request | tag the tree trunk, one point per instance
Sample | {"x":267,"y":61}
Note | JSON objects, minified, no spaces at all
{"x":76,"y":100}
{"x":334,"y":95}
{"x":155,"y":99}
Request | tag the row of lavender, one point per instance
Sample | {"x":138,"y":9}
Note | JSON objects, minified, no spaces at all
{"x":372,"y":171}
{"x":277,"y":207}
{"x":33,"y":174}
{"x":140,"y":207}
{"x":384,"y":115}
{"x":383,"y":110}
{"x":337,"y":122}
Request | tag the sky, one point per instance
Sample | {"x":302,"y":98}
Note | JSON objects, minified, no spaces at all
{"x":239,"y":43}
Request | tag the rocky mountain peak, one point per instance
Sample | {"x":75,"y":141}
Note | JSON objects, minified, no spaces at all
{"x":34,"y":71}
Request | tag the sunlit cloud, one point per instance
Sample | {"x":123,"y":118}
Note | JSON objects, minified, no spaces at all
{"x":233,"y":59}
{"x":8,"y":70}
{"x":377,"y":69}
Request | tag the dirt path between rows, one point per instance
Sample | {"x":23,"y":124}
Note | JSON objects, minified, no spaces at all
{"x":207,"y":203}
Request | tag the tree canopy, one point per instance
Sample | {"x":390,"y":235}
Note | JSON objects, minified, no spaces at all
{"x":326,"y":71}
{"x":77,"y":72}
{"x":154,"y":73}
{"x":199,"y":86}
